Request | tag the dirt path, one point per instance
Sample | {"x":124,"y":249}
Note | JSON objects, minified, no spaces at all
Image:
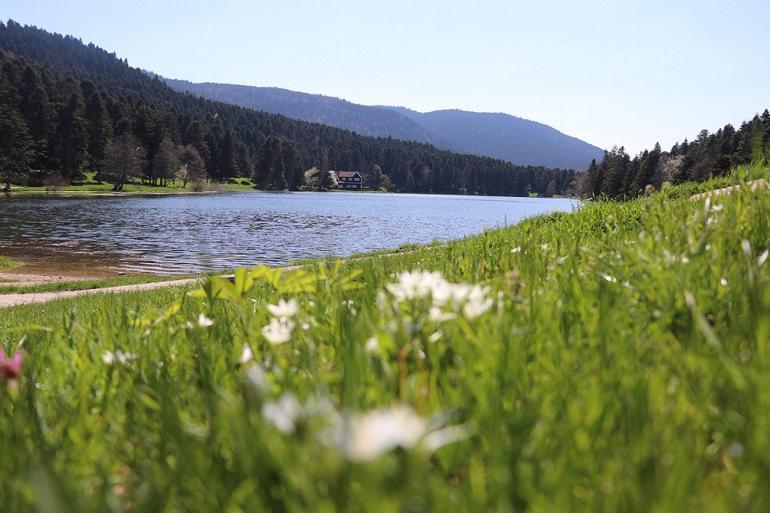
{"x":27,"y":278}
{"x":7,"y":300}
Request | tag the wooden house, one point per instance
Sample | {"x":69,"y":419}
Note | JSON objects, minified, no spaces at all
{"x":349,"y":180}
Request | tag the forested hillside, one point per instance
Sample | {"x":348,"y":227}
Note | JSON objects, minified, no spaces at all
{"x":67,"y":107}
{"x":619,"y":175}
{"x":362,"y":119}
{"x":501,"y":136}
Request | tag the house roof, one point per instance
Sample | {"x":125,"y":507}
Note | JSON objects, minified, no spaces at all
{"x":347,"y":174}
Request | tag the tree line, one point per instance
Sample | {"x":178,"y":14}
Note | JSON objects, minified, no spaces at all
{"x":67,"y":107}
{"x":619,"y":175}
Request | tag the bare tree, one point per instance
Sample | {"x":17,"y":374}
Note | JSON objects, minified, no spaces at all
{"x":165,"y":163}
{"x":124,"y":157}
{"x":193,"y":169}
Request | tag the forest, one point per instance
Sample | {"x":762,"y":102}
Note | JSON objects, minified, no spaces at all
{"x":710,"y":155}
{"x":67,"y":107}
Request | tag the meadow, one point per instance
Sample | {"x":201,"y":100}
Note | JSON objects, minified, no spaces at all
{"x":90,"y":185}
{"x":611,"y":359}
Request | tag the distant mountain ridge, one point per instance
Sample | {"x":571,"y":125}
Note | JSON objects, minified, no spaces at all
{"x":497,"y":135}
{"x":502,"y":136}
{"x":316,"y":108}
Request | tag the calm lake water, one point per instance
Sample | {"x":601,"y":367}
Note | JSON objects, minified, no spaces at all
{"x":194,"y":233}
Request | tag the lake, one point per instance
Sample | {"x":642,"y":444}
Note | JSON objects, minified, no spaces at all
{"x":196,"y":233}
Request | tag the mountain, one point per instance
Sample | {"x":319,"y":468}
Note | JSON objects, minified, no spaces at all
{"x":63,"y":102}
{"x":505,"y":137}
{"x":364,"y":120}
{"x":501,"y":136}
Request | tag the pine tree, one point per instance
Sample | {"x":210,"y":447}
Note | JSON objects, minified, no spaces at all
{"x":295,"y":173}
{"x":99,"y":127}
{"x":280,"y":182}
{"x":16,"y":151}
{"x":323,"y":181}
{"x":71,"y":137}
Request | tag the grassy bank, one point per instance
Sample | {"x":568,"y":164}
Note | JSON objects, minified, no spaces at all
{"x":613,"y":359}
{"x":7,"y":263}
{"x":91,"y":186}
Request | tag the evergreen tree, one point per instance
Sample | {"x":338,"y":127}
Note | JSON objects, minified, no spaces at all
{"x":99,"y":127}
{"x":16,"y":147}
{"x":323,"y":181}
{"x":71,"y":136}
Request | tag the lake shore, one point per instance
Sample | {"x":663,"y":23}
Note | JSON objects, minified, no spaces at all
{"x":592,"y":327}
{"x":200,"y":233}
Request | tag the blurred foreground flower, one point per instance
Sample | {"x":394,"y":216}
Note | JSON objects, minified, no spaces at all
{"x":366,"y":436}
{"x":204,"y":322}
{"x":118,"y":356}
{"x":284,"y":413}
{"x":284,"y":309}
{"x":247,"y":354}
{"x":10,"y":368}
{"x":278,"y":331}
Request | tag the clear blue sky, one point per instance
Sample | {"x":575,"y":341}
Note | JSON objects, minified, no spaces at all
{"x":610,"y":72}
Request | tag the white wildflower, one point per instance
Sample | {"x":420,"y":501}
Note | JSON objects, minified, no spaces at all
{"x":284,"y":309}
{"x":256,"y":378}
{"x":284,"y":413}
{"x":608,"y":278}
{"x":278,"y":331}
{"x":762,"y":258}
{"x":436,"y":314}
{"x":246,"y":355}
{"x":364,"y":437}
{"x":414,"y":285}
{"x":723,"y":282}
{"x":203,"y":321}
{"x":477,"y":303}
{"x":435,"y":336}
{"x":746,"y":246}
{"x":372,"y":345}
{"x":447,"y":297}
{"x":517,"y":249}
{"x":118,"y":356}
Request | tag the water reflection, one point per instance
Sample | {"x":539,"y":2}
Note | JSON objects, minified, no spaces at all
{"x":184,"y":234}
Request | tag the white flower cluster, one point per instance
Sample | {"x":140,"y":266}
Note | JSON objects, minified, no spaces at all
{"x":110,"y":358}
{"x":447,"y":298}
{"x":282,"y":324}
{"x":363,"y":436}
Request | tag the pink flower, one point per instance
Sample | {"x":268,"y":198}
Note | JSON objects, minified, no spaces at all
{"x":10,"y":368}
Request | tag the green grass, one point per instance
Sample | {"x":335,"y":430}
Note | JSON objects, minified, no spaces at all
{"x":90,"y":186}
{"x":623,"y":365}
{"x":7,"y":263}
{"x":84,"y":284}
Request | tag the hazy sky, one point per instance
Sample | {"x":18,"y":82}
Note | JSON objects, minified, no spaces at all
{"x":610,"y":72}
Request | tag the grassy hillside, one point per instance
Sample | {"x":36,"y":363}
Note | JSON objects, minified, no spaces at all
{"x":613,"y":359}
